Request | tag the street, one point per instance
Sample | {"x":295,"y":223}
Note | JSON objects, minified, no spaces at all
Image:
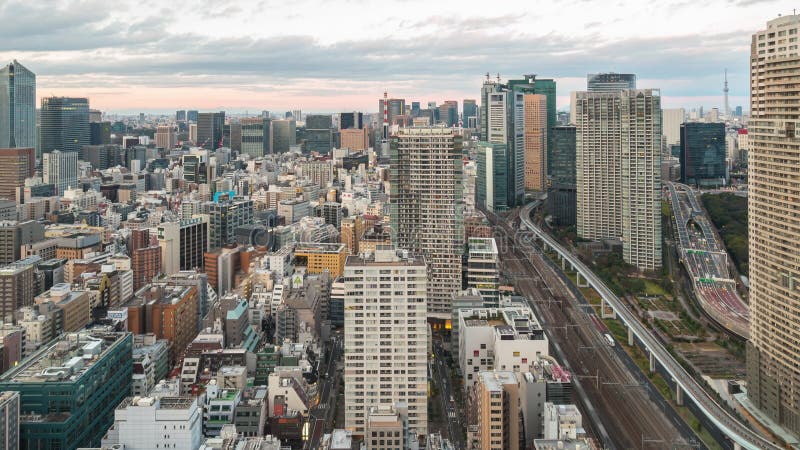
{"x":319,"y":417}
{"x":454,"y":419}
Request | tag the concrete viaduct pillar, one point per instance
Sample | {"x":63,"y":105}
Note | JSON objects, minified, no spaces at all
{"x":652,"y":362}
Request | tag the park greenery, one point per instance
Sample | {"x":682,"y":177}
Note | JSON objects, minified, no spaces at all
{"x":728,"y":212}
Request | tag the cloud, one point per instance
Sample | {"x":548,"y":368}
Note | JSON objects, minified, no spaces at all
{"x":92,"y":44}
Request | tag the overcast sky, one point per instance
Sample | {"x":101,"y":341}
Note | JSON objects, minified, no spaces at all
{"x":336,"y":55}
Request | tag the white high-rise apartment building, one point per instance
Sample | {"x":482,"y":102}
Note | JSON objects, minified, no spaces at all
{"x":427,"y":206}
{"x":60,"y":169}
{"x":773,"y":352}
{"x":673,"y":118}
{"x":618,"y":160}
{"x":386,"y":336}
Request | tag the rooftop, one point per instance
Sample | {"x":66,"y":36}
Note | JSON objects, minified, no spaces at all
{"x":385,"y":256}
{"x":66,"y":359}
{"x":482,"y":245}
{"x":319,"y":247}
{"x":494,"y":380}
{"x":178,"y":402}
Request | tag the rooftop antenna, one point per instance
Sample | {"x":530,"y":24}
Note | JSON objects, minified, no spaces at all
{"x":498,"y":77}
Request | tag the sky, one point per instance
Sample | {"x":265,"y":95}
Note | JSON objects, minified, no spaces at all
{"x":341,"y":55}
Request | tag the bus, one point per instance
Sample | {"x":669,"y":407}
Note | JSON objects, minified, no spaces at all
{"x":609,"y":339}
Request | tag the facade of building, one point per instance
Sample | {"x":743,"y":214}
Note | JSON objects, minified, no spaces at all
{"x":354,"y":139}
{"x":284,"y":135}
{"x":60,"y":169}
{"x":319,"y":133}
{"x":183,"y":243}
{"x":17,"y":106}
{"x":9,"y":420}
{"x":505,"y":338}
{"x":350,"y":120}
{"x":561,"y":199}
{"x":495,"y":401}
{"x":57,"y":408}
{"x":168,"y":311}
{"x":64,"y":124}
{"x":427,"y":210}
{"x":17,"y":284}
{"x":385,"y":350}
{"x":618,"y":171}
{"x":483,"y":271}
{"x":165,"y":137}
{"x":144,"y":423}
{"x":469,"y":114}
{"x":535,"y":142}
{"x":256,"y":136}
{"x":610,"y":82}
{"x":703,"y":154}
{"x":773,"y":358}
{"x":672,"y":118}
{"x":18,"y":164}
{"x":319,"y":257}
{"x":210,"y":130}
{"x":225,"y":217}
{"x":491,"y":179}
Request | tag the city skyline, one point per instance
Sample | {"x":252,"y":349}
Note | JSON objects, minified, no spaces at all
{"x":230,"y":57}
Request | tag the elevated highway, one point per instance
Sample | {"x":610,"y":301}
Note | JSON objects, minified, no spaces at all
{"x":687,"y":387}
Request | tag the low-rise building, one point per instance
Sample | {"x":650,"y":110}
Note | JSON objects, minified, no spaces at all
{"x":145,"y":423}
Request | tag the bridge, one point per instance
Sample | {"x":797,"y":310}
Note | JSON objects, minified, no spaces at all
{"x":741,"y":436}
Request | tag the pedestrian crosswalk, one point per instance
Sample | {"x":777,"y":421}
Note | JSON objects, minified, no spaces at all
{"x":323,"y":405}
{"x":451,"y":414}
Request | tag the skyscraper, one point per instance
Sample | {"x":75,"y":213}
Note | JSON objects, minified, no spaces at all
{"x":773,"y":352}
{"x":284,"y":135}
{"x":610,"y":82}
{"x":561,"y":200}
{"x":64,"y":124}
{"x":535,"y":142}
{"x":319,"y":133}
{"x":385,"y":364}
{"x":618,"y":167}
{"x":502,"y":120}
{"x":673,"y":118}
{"x":351,"y":120}
{"x":17,"y":106}
{"x":703,"y":153}
{"x":426,"y":203}
{"x":469,"y":115}
{"x":256,"y":136}
{"x":60,"y":169}
{"x":448,"y":113}
{"x":491,"y":181}
{"x":165,"y":137}
{"x":543,"y":86}
{"x":210,"y":129}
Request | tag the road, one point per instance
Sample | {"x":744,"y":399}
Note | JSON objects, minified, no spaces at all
{"x":454,"y":416}
{"x":731,"y":426}
{"x":703,"y":254}
{"x":319,"y":418}
{"x":620,"y":408}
